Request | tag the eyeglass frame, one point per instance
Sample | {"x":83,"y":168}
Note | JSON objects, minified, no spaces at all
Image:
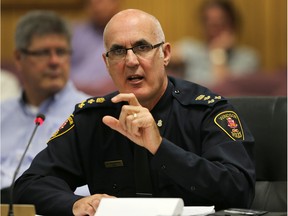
{"x":44,"y":53}
{"x":131,"y":48}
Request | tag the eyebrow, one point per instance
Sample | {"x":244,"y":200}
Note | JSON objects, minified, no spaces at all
{"x":137,"y":43}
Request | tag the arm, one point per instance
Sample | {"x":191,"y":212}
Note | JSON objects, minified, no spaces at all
{"x":204,"y":161}
{"x":221,"y":173}
{"x":53,"y":176}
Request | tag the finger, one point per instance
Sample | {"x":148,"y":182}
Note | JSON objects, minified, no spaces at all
{"x":95,"y":203}
{"x":124,"y":116}
{"x":127,"y":114}
{"x":114,"y":124}
{"x":90,"y":210}
{"x":130,"y":98}
{"x":85,"y":208}
{"x":129,"y":122}
{"x":136,"y":127}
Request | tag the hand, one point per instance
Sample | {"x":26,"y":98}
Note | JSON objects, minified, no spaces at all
{"x":136,"y":123}
{"x":225,"y":41}
{"x":88,"y":205}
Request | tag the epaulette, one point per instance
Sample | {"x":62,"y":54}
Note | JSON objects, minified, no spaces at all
{"x":207,"y":99}
{"x":188,"y":93}
{"x":95,"y":102}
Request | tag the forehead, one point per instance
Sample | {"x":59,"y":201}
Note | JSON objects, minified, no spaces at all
{"x":128,"y":30}
{"x":50,"y":40}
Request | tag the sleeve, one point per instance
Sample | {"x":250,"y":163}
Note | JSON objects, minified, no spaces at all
{"x":53,"y":175}
{"x":223,"y":172}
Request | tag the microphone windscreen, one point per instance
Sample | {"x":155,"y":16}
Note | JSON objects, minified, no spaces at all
{"x":39,"y":119}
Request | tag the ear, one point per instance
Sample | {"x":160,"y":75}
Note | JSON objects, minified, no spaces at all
{"x":105,"y":60}
{"x":167,"y":53}
{"x":17,"y":57}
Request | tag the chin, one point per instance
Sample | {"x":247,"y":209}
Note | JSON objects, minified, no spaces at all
{"x":56,"y":88}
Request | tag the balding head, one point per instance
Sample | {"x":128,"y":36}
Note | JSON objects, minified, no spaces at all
{"x":130,"y":18}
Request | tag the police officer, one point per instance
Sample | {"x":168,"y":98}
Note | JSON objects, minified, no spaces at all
{"x":182,"y":139}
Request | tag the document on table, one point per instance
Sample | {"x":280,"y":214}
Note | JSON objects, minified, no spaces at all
{"x":197,"y":210}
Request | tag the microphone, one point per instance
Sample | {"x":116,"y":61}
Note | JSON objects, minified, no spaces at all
{"x":38,"y":121}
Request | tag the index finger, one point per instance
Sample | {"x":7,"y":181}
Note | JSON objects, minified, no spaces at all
{"x":129,"y":97}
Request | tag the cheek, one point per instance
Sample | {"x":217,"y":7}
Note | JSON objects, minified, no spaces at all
{"x":116,"y":76}
{"x":66,"y":70}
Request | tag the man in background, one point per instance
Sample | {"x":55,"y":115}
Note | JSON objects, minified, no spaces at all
{"x":42,"y":55}
{"x":219,"y":55}
{"x":88,"y":70}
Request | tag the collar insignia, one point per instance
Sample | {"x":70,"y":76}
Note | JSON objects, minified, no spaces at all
{"x":159,"y":123}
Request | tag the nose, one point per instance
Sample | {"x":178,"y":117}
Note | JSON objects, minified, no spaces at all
{"x":54,"y":58}
{"x":131,"y":59}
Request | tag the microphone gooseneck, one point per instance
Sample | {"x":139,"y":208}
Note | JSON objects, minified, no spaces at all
{"x":38,"y":121}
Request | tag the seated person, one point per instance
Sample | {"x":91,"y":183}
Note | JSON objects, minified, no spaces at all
{"x":42,"y":41}
{"x":192,"y":143}
{"x":219,"y":55}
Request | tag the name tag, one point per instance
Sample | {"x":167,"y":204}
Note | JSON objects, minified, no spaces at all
{"x":115,"y":163}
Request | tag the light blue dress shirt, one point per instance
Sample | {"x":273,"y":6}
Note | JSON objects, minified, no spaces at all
{"x":17,"y":124}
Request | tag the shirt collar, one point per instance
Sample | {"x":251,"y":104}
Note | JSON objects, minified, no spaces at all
{"x":45,"y":105}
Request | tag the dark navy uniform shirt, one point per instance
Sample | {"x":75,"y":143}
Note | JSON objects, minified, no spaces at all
{"x":205,"y":157}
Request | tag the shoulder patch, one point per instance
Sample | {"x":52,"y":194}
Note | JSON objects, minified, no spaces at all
{"x":64,"y":128}
{"x":230,"y":123}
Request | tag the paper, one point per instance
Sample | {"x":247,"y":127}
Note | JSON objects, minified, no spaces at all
{"x":197,"y":210}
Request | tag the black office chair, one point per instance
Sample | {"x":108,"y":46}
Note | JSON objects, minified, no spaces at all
{"x":267,"y":119}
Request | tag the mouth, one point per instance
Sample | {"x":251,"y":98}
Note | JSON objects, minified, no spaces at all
{"x":135,"y":78}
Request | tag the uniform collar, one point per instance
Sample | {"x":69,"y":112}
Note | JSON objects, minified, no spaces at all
{"x":162,"y":109}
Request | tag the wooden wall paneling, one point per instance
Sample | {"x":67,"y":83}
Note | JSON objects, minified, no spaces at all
{"x":264,"y":24}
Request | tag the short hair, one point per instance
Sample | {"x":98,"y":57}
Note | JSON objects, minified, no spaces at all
{"x":227,"y":7}
{"x":39,"y":23}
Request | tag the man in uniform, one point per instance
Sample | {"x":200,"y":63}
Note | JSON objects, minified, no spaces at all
{"x":157,"y":136}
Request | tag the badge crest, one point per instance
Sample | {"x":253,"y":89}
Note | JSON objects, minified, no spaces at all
{"x":230,"y":123}
{"x":64,"y":128}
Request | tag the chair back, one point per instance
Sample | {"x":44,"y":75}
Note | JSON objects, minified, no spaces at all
{"x":266,"y":118}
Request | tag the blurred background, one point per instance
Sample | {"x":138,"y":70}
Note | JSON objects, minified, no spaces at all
{"x":263,"y":25}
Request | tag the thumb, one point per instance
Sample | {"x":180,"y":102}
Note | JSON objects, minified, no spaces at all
{"x":110,"y":122}
{"x":114,"y":124}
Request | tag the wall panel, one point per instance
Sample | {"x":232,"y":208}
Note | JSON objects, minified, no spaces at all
{"x":264,"y":24}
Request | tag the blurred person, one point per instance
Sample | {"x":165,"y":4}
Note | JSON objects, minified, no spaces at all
{"x":261,"y":83}
{"x":88,"y":71}
{"x":42,"y":41}
{"x":195,"y":145}
{"x":219,"y":55}
{"x":10,"y":85}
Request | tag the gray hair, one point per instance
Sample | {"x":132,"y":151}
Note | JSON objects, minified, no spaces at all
{"x":39,"y":23}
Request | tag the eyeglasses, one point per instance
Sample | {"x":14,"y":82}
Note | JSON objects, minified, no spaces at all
{"x":45,"y":54}
{"x":142,"y":50}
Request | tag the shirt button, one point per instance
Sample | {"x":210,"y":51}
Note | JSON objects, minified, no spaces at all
{"x":176,"y":91}
{"x":192,"y":188}
{"x":114,"y":186}
{"x":163,"y":167}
